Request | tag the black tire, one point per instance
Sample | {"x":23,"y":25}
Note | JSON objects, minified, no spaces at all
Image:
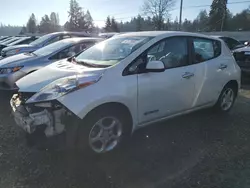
{"x":86,"y":125}
{"x":219,"y":105}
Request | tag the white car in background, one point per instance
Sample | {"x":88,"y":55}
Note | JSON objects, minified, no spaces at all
{"x":124,"y":83}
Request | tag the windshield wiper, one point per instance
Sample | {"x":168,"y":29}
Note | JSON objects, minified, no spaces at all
{"x":89,"y":64}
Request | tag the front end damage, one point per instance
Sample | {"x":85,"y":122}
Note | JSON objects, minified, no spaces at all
{"x":40,"y":121}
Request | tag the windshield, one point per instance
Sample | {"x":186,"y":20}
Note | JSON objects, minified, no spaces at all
{"x":10,"y":41}
{"x":17,"y":41}
{"x":51,"y":48}
{"x":112,"y":51}
{"x":40,"y":40}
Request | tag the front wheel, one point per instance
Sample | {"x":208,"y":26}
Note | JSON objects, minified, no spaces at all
{"x":102,"y":131}
{"x":226,"y":99}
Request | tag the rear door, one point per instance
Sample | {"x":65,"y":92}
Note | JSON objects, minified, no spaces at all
{"x":210,"y":70}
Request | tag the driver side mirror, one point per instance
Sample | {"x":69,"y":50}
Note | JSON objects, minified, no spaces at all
{"x":155,"y":66}
{"x":246,"y":43}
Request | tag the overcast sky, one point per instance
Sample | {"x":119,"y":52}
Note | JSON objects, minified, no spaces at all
{"x":17,"y":12}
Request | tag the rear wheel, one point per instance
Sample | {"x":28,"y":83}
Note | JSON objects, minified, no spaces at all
{"x":226,"y":99}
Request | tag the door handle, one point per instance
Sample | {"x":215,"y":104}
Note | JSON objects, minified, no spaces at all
{"x":187,"y":75}
{"x":222,"y":66}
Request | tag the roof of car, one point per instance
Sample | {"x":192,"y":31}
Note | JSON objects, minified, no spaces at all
{"x":81,"y":39}
{"x":71,"y":33}
{"x":159,"y":33}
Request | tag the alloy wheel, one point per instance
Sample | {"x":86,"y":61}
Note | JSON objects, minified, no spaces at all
{"x":105,"y":134}
{"x":227,"y":99}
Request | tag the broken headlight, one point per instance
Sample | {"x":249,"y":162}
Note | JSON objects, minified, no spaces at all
{"x":63,"y":86}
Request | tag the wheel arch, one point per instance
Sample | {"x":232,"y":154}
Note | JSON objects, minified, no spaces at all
{"x":234,"y":84}
{"x":117,"y":106}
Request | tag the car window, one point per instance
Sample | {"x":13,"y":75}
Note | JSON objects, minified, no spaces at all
{"x":10,"y":41}
{"x":55,"y":39}
{"x":28,"y":41}
{"x":41,"y":40}
{"x":172,"y":52}
{"x":111,"y":51}
{"x":52,"y":48}
{"x":85,"y":45}
{"x":65,"y":36}
{"x":231,"y":43}
{"x":205,"y":49}
{"x":71,"y":51}
{"x":21,"y":41}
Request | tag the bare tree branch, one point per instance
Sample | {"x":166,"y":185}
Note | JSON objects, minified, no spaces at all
{"x":158,"y":10}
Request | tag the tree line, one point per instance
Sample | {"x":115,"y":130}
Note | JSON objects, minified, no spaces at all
{"x":155,"y":15}
{"x":78,"y":21}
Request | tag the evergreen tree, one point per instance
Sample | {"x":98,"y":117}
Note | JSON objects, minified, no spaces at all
{"x":139,"y":23}
{"x":218,"y":15}
{"x":108,"y":24}
{"x":54,"y":22}
{"x":114,"y":25}
{"x":23,"y":30}
{"x":75,"y":17}
{"x":89,"y":21}
{"x":45,"y":25}
{"x":31,"y":24}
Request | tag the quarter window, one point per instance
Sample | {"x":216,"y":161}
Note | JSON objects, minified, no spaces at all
{"x":172,"y":52}
{"x":205,"y":49}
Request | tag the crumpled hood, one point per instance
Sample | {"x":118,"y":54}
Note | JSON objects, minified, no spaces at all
{"x":17,"y":60}
{"x":34,"y":82}
{"x":243,"y":49}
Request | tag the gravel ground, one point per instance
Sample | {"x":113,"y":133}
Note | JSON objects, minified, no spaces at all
{"x":197,"y":150}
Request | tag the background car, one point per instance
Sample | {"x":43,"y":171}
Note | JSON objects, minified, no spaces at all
{"x":241,"y":53}
{"x":15,"y":67}
{"x":5,"y":43}
{"x":21,"y":40}
{"x":41,"y":42}
{"x":4,"y":37}
{"x":231,"y":42}
{"x":108,"y":35}
{"x":242,"y":57}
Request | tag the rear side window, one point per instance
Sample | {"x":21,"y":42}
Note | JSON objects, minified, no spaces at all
{"x":206,"y":49}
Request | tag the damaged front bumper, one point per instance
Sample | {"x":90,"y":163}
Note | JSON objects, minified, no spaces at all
{"x":31,"y":117}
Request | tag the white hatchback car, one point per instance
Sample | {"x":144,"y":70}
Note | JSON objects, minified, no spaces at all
{"x":124,"y":83}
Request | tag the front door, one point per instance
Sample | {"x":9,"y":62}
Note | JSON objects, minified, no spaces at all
{"x":169,"y":92}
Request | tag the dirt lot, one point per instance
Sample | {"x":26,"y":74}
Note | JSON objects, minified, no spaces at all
{"x":198,"y":150}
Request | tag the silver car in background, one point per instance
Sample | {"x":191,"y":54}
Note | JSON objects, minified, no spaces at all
{"x":41,"y":42}
{"x":17,"y":66}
